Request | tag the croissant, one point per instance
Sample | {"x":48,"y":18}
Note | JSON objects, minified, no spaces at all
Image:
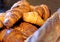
{"x":39,"y":10}
{"x":49,"y":32}
{"x":18,"y":34}
{"x":43,"y":11}
{"x":14,"y":14}
{"x":2,"y":15}
{"x":34,"y":18}
{"x":32,"y":8}
{"x":46,"y":13}
{"x":26,"y":29}
{"x":23,"y":5}
{"x":11,"y":35}
{"x":1,"y":24}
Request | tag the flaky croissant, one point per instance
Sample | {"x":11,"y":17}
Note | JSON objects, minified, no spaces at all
{"x":2,"y":15}
{"x":26,"y":29}
{"x":11,"y":35}
{"x":39,"y":10}
{"x":46,"y":10}
{"x":49,"y":32}
{"x":23,"y":5}
{"x":15,"y":13}
{"x":33,"y":17}
{"x":18,"y":34}
{"x":43,"y":11}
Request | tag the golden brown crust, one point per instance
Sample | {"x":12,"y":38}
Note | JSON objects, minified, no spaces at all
{"x":19,"y":29}
{"x":15,"y":13}
{"x":49,"y":32}
{"x":12,"y":17}
{"x":31,"y":14}
{"x":23,"y":5}
{"x":26,"y":29}
{"x":2,"y":35}
{"x":10,"y":35}
{"x":39,"y":10}
{"x":34,"y":18}
{"x":14,"y":36}
{"x":2,"y":15}
{"x":46,"y":11}
{"x":32,"y":8}
{"x":1,"y":24}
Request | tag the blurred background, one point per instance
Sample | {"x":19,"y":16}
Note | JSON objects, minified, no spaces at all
{"x":52,"y":4}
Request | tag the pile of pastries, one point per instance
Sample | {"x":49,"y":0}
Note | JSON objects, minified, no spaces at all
{"x":21,"y":21}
